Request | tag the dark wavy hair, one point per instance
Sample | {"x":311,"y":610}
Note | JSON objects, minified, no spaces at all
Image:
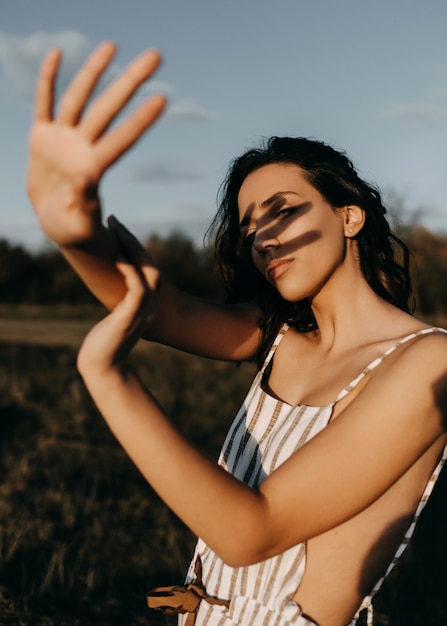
{"x":384,"y":258}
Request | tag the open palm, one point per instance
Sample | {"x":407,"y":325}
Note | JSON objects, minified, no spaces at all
{"x":71,"y":151}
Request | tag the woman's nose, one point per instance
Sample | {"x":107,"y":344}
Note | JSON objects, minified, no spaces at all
{"x":263,"y":240}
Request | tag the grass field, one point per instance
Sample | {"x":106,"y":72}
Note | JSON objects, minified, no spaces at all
{"x":82,"y":535}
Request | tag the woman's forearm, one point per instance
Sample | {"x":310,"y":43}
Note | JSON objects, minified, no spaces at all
{"x":180,"y":320}
{"x":226,"y":513}
{"x":94,"y":262}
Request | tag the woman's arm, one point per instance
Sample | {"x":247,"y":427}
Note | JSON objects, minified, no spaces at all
{"x":398,"y":416}
{"x":69,"y":154}
{"x":227,"y":332}
{"x":180,"y":320}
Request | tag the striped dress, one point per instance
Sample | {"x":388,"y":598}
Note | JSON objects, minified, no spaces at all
{"x":265,"y":433}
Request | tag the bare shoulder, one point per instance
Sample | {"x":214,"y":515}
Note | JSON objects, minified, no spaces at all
{"x":427,"y":348}
{"x":415,"y":374}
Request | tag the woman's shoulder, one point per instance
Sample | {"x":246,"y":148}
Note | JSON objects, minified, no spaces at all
{"x":420,"y":344}
{"x":406,"y":391}
{"x":416,"y":367}
{"x":425,"y":338}
{"x":407,"y":338}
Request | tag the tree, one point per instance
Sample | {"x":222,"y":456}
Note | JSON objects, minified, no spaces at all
{"x":429,"y":269}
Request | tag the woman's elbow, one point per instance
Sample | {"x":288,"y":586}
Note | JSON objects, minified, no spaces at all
{"x":240,"y":552}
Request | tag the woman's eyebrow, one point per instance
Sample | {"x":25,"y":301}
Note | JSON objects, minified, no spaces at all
{"x":279,"y":195}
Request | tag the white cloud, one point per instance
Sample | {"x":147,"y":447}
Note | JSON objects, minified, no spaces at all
{"x":432,"y":109}
{"x":22,"y":231}
{"x":156,"y":86}
{"x":194,"y":228}
{"x":424,"y":112}
{"x":162,"y":172}
{"x":439,"y":94}
{"x":189,"y":109}
{"x":20,"y":57}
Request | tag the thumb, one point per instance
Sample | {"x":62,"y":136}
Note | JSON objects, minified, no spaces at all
{"x":135,"y":253}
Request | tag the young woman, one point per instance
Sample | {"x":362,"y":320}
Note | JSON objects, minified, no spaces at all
{"x":342,"y":435}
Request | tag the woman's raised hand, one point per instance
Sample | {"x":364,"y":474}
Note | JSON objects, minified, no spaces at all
{"x":70,"y":151}
{"x":109,"y":342}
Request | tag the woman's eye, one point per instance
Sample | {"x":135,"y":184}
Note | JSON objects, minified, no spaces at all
{"x":285,"y":211}
{"x":249,"y":239}
{"x":246,"y":242}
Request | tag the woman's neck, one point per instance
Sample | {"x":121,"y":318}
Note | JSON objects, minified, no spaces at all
{"x":352,"y":313}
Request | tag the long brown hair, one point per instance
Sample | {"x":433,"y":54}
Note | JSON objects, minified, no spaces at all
{"x":384,"y":258}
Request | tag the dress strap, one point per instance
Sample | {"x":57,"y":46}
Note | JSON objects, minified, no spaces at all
{"x":411,"y":528}
{"x":368,"y":601}
{"x":282,"y":331}
{"x":378,"y":360}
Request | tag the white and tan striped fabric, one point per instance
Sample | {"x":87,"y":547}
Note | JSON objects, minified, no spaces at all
{"x":265,"y":433}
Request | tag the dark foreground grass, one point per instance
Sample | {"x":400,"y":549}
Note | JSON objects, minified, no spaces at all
{"x":82,"y":535}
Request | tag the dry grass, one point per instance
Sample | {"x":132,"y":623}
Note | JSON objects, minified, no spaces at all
{"x":82,"y":535}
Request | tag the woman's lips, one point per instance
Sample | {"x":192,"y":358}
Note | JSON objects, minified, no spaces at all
{"x":277,"y":267}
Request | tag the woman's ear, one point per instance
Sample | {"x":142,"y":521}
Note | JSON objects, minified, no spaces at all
{"x":354,"y":220}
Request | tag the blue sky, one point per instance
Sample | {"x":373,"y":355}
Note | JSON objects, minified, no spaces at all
{"x":366,"y":76}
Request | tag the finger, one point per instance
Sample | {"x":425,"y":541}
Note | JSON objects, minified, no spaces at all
{"x":136,"y":253}
{"x":111,"y":102}
{"x":132,"y":304}
{"x":82,"y":86}
{"x":115,"y":143}
{"x":129,"y":244}
{"x":134,"y":281}
{"x":44,"y":101}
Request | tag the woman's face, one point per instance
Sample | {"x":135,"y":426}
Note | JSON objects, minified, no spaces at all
{"x":296,"y":238}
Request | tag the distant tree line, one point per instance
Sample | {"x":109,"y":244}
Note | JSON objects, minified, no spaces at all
{"x":46,"y":278}
{"x":429,"y":268}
